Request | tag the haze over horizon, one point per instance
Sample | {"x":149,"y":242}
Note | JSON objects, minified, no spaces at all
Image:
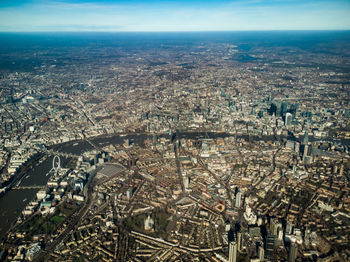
{"x":192,"y":15}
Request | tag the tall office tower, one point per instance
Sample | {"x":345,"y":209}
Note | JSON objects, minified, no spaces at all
{"x":276,"y":230}
{"x":297,"y":147}
{"x":288,"y":119}
{"x":273,"y":226}
{"x":232,"y":257}
{"x":186,"y":180}
{"x":249,"y":216}
{"x":284,"y":106}
{"x":238,"y":201}
{"x":270,"y":244}
{"x":278,"y":108}
{"x":293,"y":109}
{"x":293,"y":252}
{"x":306,"y":137}
{"x":305,"y":151}
{"x":280,"y":234}
{"x":261,"y":253}
{"x":273,"y":109}
{"x":177,"y":143}
{"x":289,"y":227}
{"x":239,"y":241}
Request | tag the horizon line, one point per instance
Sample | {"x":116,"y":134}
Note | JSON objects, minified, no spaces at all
{"x":175,"y":31}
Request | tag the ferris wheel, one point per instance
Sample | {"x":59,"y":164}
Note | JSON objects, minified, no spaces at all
{"x":56,"y":163}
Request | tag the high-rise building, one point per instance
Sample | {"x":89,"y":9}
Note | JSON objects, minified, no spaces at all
{"x":261,"y":253}
{"x":238,"y":201}
{"x":129,"y":193}
{"x":278,"y":108}
{"x":270,"y":246}
{"x":297,"y":147}
{"x":273,"y":109}
{"x":186,"y":180}
{"x":280,"y":235}
{"x":293,"y":252}
{"x":239,"y":241}
{"x":232,"y":257}
{"x":274,"y":225}
{"x":306,"y":137}
{"x":289,"y":227}
{"x":284,"y":107}
{"x":293,"y":110}
{"x":306,"y":152}
{"x":249,"y":216}
{"x":288,"y":119}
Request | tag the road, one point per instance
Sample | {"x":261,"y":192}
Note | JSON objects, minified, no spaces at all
{"x":19,"y":175}
{"x":72,"y":223}
{"x":178,"y":168}
{"x":218,"y":180}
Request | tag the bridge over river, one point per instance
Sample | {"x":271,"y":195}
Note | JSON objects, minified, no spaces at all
{"x":29,"y":187}
{"x":62,"y":154}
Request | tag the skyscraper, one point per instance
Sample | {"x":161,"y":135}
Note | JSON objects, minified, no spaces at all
{"x":288,"y":119}
{"x":306,"y":137}
{"x":284,"y":106}
{"x":239,"y":241}
{"x":293,"y":252}
{"x":238,"y":201}
{"x":232,"y":252}
{"x":273,"y":109}
{"x":186,"y":180}
{"x":293,"y":109}
{"x":297,"y":147}
{"x":261,"y":253}
{"x":289,"y":227}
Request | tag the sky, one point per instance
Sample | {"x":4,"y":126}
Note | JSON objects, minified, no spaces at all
{"x":180,"y":15}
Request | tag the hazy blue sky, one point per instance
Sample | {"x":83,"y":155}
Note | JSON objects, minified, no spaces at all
{"x":181,"y":15}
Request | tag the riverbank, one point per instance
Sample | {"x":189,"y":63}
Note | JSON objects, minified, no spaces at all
{"x":15,"y":200}
{"x":12,"y":206}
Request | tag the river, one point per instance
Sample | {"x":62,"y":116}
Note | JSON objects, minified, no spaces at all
{"x":12,"y":203}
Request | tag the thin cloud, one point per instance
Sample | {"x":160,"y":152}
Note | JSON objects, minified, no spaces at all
{"x":176,"y":16}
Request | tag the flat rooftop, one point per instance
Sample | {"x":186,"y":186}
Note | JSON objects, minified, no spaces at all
{"x":110,"y":170}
